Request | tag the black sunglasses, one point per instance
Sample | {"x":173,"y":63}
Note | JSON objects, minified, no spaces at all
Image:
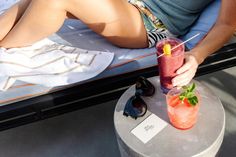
{"x":135,"y":106}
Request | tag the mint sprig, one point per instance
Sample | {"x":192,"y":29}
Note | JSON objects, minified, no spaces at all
{"x":189,"y":94}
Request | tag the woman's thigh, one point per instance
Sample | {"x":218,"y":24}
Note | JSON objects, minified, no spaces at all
{"x":116,"y":20}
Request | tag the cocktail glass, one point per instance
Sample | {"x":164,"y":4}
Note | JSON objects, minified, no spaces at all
{"x":169,"y":64}
{"x":181,"y":113}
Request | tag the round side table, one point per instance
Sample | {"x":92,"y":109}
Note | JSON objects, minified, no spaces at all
{"x":202,"y":140}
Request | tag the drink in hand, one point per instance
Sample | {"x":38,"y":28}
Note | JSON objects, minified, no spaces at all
{"x":172,"y":58}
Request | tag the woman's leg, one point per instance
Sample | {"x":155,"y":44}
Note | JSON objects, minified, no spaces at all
{"x":11,"y":16}
{"x":116,"y":20}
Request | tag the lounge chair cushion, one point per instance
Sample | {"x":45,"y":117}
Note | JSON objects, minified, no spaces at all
{"x":75,"y":33}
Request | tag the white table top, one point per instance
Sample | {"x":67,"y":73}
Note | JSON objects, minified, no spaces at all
{"x":204,"y":139}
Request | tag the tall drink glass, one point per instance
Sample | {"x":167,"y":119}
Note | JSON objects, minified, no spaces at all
{"x":169,"y":64}
{"x":182,"y":114}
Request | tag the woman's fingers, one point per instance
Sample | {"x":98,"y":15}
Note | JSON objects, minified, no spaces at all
{"x":187,"y":65}
{"x":184,"y":78}
{"x":186,"y":72}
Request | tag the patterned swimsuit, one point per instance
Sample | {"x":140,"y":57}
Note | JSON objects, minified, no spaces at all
{"x":154,"y":27}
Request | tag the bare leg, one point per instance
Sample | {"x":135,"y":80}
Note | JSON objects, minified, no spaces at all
{"x":117,"y":20}
{"x":11,"y":16}
{"x":38,"y":21}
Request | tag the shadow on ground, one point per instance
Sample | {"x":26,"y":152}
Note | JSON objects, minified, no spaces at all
{"x":223,"y":84}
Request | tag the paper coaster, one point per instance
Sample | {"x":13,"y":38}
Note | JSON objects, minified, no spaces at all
{"x":148,"y":128}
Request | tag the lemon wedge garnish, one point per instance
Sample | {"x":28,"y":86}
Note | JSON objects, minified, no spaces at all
{"x":167,"y":49}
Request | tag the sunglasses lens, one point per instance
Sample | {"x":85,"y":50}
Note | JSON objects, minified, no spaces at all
{"x":144,"y":87}
{"x":135,"y":107}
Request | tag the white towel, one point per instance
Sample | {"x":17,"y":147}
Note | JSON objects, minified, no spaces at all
{"x":50,"y":64}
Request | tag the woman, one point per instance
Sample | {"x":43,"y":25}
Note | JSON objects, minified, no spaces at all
{"x":222,"y":31}
{"x":129,"y":24}
{"x":119,"y":21}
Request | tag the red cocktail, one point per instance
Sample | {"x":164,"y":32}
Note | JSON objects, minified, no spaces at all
{"x":182,"y":114}
{"x":169,"y":64}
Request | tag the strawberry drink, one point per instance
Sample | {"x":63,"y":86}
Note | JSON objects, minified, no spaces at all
{"x":183,"y":107}
{"x":170,"y":61}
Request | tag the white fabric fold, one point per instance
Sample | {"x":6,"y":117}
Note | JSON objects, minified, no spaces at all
{"x":50,"y":64}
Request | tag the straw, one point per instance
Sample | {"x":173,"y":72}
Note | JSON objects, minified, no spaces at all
{"x":139,"y":57}
{"x":181,"y":44}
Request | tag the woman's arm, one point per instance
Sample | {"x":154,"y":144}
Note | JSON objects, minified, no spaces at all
{"x":221,"y":32}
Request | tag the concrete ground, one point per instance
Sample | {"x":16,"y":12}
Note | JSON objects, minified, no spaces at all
{"x":90,"y":132}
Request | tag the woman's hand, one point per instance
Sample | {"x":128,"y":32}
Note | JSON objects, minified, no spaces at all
{"x":186,"y":73}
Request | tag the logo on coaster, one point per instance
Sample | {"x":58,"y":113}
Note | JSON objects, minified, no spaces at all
{"x":148,"y":128}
